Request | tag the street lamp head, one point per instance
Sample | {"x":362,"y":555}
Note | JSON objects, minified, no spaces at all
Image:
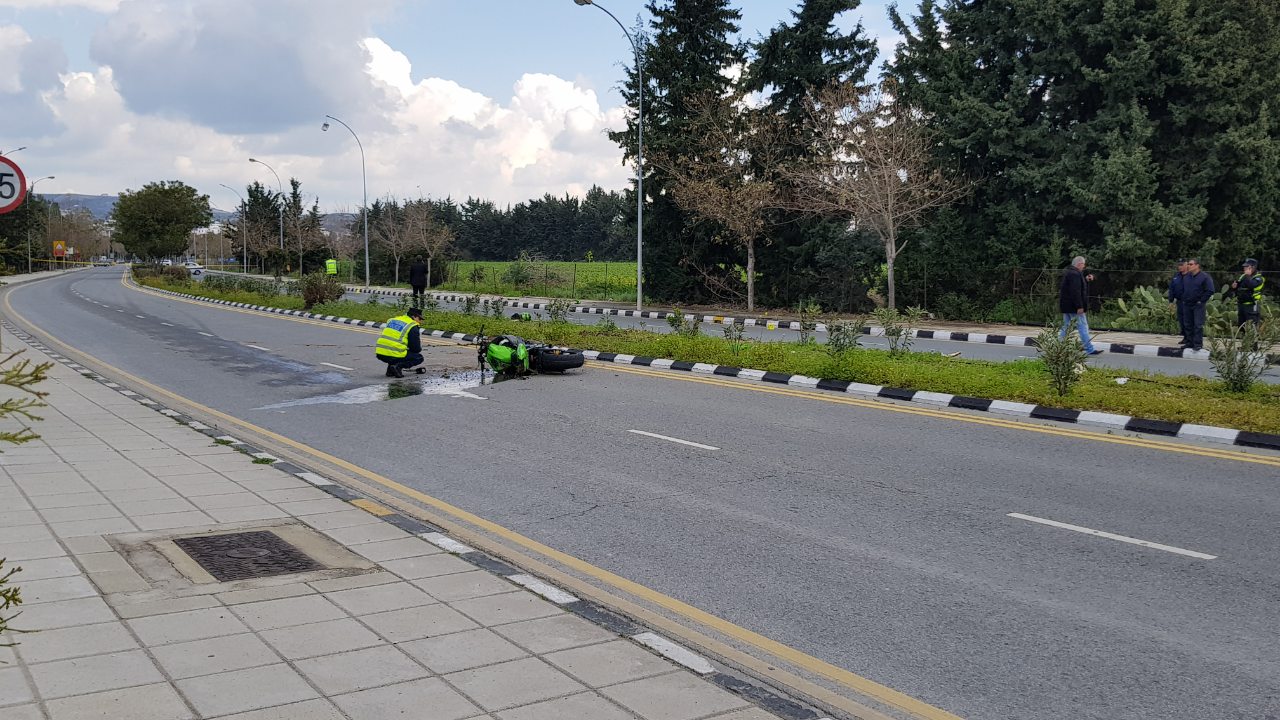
{"x":253,"y":160}
{"x":324,"y":127}
{"x":584,"y":2}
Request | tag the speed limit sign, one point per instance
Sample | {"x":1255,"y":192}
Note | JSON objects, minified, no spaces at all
{"x":13,"y":185}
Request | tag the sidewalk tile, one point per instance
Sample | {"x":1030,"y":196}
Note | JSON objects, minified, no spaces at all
{"x":35,"y":592}
{"x":168,"y":521}
{"x":372,"y":532}
{"x":559,"y":632}
{"x":67,"y":613}
{"x":119,"y":581}
{"x":346,"y":518}
{"x":678,"y":696}
{"x":134,"y":508}
{"x":49,"y":645}
{"x":308,"y":710}
{"x":462,"y":651}
{"x":407,"y":700}
{"x":313,"y":507}
{"x":38,"y":550}
{"x":13,"y":688}
{"x":24,"y":534}
{"x":415,"y":623}
{"x":215,"y":655}
{"x":350,"y":582}
{"x":301,"y":494}
{"x":752,"y":713}
{"x":584,"y":705}
{"x":609,"y":663}
{"x":21,"y":712}
{"x":103,"y":562}
{"x":185,"y":626}
{"x":94,"y":673}
{"x":518,"y":682}
{"x":270,"y":592}
{"x":108,"y":526}
{"x":146,"y":702}
{"x":80,"y":512}
{"x":242,"y":690}
{"x":427,"y":566}
{"x":396,"y":549}
{"x":234,"y":499}
{"x":68,"y":500}
{"x":360,"y":669}
{"x":216,"y":485}
{"x":86,"y":545}
{"x":242,"y":514}
{"x":47,"y":568}
{"x":511,"y":607}
{"x":272,"y":614}
{"x":380,"y":598}
{"x":323,"y":638}
{"x":132,"y":607}
{"x":14,"y":518}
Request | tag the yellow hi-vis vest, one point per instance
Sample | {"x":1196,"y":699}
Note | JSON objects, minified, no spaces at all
{"x":330,"y":267}
{"x":394,"y":341}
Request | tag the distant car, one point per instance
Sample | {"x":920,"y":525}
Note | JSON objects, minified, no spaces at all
{"x":194,"y":268}
{"x":102,"y":262}
{"x":166,"y":262}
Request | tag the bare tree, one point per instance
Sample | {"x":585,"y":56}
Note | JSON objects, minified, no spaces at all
{"x":872,"y":165}
{"x":728,"y":178}
{"x":397,"y":233}
{"x":436,"y":239}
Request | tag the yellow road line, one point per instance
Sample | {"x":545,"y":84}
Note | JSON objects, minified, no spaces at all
{"x":797,"y":658}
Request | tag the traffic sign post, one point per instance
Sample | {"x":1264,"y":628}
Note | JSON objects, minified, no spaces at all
{"x":59,"y":248}
{"x":13,"y":185}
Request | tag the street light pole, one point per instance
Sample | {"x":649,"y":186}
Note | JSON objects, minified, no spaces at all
{"x":639,"y":152}
{"x":30,"y":193}
{"x":364,"y":181}
{"x":10,"y":152}
{"x":244,"y":232}
{"x":279,"y":185}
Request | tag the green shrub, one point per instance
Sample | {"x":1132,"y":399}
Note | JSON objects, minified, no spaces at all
{"x":959,"y":307}
{"x":735,"y":334}
{"x":808,"y":310}
{"x":899,"y":326}
{"x":845,"y":335}
{"x":1242,"y":354}
{"x":558,"y":310}
{"x":318,"y":288}
{"x":1063,"y":357}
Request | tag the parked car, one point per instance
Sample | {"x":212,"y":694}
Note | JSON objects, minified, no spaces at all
{"x":194,"y":268}
{"x":166,"y":262}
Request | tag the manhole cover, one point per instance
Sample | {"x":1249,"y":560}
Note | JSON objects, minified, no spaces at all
{"x":239,"y":556}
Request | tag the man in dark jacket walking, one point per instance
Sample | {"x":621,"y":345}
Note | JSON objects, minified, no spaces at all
{"x":1197,"y":288}
{"x":1073,"y":301}
{"x":1175,"y":297}
{"x":418,"y":280}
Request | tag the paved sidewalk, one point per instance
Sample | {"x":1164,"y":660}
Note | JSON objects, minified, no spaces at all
{"x":126,"y":625}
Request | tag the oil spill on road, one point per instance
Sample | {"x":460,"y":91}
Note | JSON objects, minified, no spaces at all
{"x":454,"y":384}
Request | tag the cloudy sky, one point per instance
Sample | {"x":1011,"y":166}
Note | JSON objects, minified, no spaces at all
{"x":505,"y":99}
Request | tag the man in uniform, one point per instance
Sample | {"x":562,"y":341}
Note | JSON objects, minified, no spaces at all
{"x":330,"y":267}
{"x":1248,"y":292}
{"x":400,"y":345}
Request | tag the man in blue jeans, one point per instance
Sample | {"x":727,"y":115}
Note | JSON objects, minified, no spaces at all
{"x":1073,"y":302}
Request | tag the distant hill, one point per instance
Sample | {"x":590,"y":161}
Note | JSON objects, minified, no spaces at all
{"x":100,"y":206}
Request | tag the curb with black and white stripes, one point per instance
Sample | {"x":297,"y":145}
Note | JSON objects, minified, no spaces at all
{"x":1110,"y":421}
{"x":972,"y":337}
{"x":740,"y":684}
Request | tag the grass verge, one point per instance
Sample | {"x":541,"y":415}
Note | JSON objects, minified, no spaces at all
{"x":1145,"y":395}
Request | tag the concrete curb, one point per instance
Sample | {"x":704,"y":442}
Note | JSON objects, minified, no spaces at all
{"x":1210,"y":433}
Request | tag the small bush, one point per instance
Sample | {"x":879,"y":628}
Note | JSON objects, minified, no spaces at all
{"x":899,"y":326}
{"x":808,"y":311}
{"x":558,"y":310}
{"x":318,"y":288}
{"x":1242,"y":354}
{"x":519,"y":273}
{"x":10,"y":597}
{"x":470,"y":303}
{"x":476,"y":276}
{"x":959,"y":307}
{"x":607,"y":326}
{"x":735,"y":333}
{"x":683,"y":325}
{"x":495,"y":309}
{"x":1063,"y":358}
{"x":845,"y":335}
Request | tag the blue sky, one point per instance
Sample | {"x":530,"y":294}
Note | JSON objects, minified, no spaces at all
{"x":506,"y":99}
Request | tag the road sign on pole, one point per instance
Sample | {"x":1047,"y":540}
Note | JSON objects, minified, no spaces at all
{"x":59,"y":248}
{"x":13,"y":185}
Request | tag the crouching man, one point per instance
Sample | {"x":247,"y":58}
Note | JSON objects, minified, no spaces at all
{"x":400,"y":345}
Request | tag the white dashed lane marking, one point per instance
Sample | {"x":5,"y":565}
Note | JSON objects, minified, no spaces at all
{"x":1113,"y":536}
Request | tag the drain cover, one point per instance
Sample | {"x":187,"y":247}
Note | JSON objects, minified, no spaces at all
{"x":240,"y":556}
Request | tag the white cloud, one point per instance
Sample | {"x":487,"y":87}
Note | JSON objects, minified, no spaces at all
{"x":102,"y":6}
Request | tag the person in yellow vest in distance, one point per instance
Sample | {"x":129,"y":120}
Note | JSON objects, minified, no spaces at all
{"x":330,"y":267}
{"x":400,"y":345}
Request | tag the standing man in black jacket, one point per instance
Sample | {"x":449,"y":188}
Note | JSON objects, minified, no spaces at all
{"x":418,"y":280}
{"x":1248,"y":292}
{"x":1197,"y":288}
{"x":1175,"y":296}
{"x":1073,"y":301}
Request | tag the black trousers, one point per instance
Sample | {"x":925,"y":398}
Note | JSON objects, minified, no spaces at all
{"x":408,"y":361}
{"x":1248,"y":314}
{"x":1195,"y":322}
{"x":419,"y":291}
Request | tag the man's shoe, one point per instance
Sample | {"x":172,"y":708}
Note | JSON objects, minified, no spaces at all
{"x":420,"y":370}
{"x":1094,"y":352}
{"x":397,"y":372}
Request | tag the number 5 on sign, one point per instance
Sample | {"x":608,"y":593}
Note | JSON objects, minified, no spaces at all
{"x":13,"y":185}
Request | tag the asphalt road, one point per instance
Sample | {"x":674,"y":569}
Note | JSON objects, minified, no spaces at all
{"x":973,"y":351}
{"x":876,"y":540}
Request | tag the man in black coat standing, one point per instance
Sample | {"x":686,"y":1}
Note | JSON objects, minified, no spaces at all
{"x":418,"y":280}
{"x":1073,"y":302}
{"x":1197,"y":288}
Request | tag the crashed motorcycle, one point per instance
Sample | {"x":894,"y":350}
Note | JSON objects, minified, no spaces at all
{"x":514,"y":356}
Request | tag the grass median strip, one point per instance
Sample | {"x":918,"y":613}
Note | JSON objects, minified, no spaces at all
{"x":1175,"y":398}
